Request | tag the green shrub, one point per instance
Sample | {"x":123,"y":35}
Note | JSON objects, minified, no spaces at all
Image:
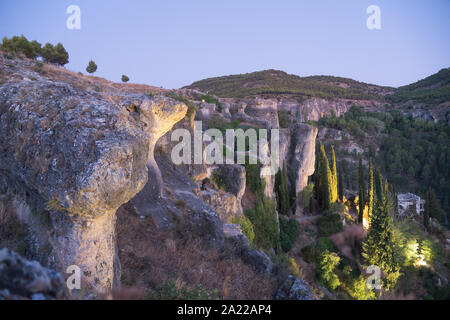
{"x":283,"y":119}
{"x":125,"y":78}
{"x":305,"y":195}
{"x":325,"y":244}
{"x":289,"y":231}
{"x":246,"y":227}
{"x":313,"y":253}
{"x":357,"y":289}
{"x":253,"y":178}
{"x":330,"y":223}
{"x":326,"y":275}
{"x":21,"y":45}
{"x":265,"y":224}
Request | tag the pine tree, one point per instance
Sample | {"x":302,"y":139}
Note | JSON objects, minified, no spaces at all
{"x":61,"y":56}
{"x":370,"y":191}
{"x":47,"y":52}
{"x":334,"y":181}
{"x":340,"y":187}
{"x":378,"y":249}
{"x":362,"y":192}
{"x":92,"y":67}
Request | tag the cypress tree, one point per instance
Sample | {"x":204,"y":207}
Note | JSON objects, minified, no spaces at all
{"x":326,"y":179}
{"x":340,"y":187}
{"x":284,"y":191}
{"x":362,"y":192}
{"x":334,"y":181}
{"x":378,"y":187}
{"x":276,"y":188}
{"x":370,"y":191}
{"x":316,"y":178}
{"x":394,"y":199}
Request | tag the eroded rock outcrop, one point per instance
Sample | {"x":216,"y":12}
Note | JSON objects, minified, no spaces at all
{"x":304,"y":153}
{"x":79,"y":155}
{"x":239,"y":245}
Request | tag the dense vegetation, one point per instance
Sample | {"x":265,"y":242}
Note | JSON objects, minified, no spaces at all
{"x":434,"y":89}
{"x":274,"y":82}
{"x":413,"y":153}
{"x":33,"y":49}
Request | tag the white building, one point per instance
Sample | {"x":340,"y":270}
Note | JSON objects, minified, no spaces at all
{"x":406,"y":200}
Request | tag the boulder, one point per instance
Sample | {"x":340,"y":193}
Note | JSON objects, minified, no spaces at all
{"x":22,"y":279}
{"x":294,"y":289}
{"x":226,"y":205}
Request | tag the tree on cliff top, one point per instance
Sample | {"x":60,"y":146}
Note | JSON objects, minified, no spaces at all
{"x":92,"y":67}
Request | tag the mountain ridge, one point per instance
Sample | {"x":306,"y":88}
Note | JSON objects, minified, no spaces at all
{"x":271,"y":83}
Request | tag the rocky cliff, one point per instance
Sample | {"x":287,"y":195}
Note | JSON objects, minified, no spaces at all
{"x":77,"y":148}
{"x":74,"y":156}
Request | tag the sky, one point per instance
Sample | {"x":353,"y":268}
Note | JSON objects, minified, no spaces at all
{"x":174,"y":43}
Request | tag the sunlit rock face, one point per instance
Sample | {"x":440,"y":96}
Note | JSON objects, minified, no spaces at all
{"x":304,"y":155}
{"x":76,"y":156}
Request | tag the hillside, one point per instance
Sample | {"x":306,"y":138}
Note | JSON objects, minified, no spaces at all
{"x":273,"y":83}
{"x":89,"y":176}
{"x":434,"y":89}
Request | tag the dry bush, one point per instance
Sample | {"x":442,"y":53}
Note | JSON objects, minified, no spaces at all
{"x":151,"y":257}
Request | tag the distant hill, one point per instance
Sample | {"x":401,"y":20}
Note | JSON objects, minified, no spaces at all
{"x":434,"y":89}
{"x":273,"y":83}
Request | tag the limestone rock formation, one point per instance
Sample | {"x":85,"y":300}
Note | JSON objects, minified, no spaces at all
{"x":79,"y":155}
{"x":304,"y":153}
{"x":232,"y":177}
{"x":225,"y":204}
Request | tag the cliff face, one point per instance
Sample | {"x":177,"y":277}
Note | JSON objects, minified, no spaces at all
{"x":75,"y":156}
{"x":304,"y":153}
{"x":75,"y":149}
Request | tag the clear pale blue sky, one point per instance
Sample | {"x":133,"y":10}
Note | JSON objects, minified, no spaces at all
{"x":173,"y":43}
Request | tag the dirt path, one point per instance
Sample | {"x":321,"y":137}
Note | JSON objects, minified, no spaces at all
{"x":307,"y":218}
